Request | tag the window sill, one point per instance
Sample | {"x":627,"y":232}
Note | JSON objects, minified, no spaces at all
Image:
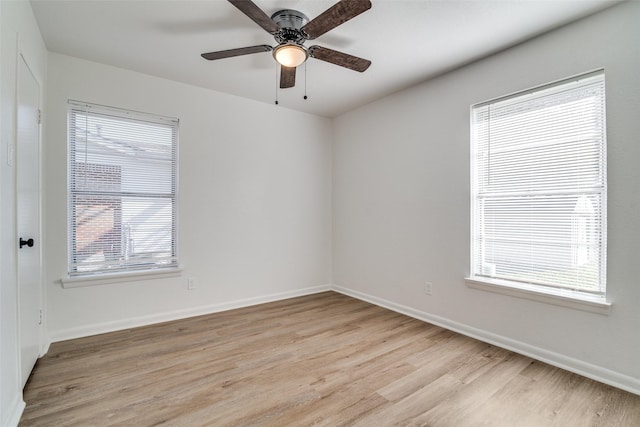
{"x":559,"y":297}
{"x":129,"y":276}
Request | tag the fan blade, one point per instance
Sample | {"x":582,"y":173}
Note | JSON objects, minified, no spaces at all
{"x":339,"y":58}
{"x":287,"y":77}
{"x":236,"y":52}
{"x":250,"y":9}
{"x":337,"y":14}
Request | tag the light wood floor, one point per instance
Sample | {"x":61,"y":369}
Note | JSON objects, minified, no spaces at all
{"x":323,"y":359}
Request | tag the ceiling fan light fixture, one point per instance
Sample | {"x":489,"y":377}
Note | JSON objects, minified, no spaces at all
{"x":290,"y":55}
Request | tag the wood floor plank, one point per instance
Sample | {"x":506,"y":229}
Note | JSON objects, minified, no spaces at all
{"x":324,"y":359}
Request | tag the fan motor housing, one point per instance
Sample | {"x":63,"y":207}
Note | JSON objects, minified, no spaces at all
{"x":290,"y":22}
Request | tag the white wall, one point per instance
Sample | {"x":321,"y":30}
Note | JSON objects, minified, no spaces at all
{"x":19,"y":35}
{"x":254,"y":201}
{"x":401,"y":200}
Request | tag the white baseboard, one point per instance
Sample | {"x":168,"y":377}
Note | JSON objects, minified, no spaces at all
{"x":594,"y":372}
{"x":14,"y":413}
{"x":117,"y":325}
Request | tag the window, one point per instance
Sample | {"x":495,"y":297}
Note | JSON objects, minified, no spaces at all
{"x":539,"y":189}
{"x":122,"y":190}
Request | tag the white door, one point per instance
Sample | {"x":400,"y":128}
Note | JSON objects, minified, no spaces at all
{"x":28,"y":218}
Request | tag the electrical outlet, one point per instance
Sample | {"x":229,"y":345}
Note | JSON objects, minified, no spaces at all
{"x":11,"y":154}
{"x":191,"y":283}
{"x":427,"y":287}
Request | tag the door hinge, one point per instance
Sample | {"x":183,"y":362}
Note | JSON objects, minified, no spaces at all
{"x":39,"y":116}
{"x":40,"y":317}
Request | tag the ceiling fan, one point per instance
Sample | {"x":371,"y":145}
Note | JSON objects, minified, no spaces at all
{"x":291,"y":29}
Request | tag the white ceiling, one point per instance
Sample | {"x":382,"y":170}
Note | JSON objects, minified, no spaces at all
{"x":408,"y":41}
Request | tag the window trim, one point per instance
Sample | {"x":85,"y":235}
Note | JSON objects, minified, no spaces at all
{"x":120,"y":277}
{"x":152,"y":271}
{"x":575,"y":299}
{"x":568,"y":299}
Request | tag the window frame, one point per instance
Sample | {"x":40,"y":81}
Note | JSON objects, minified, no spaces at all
{"x":558,"y":296}
{"x":126,"y":271}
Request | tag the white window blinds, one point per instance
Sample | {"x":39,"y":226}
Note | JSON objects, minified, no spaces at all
{"x":539,"y":187}
{"x":122,"y":177}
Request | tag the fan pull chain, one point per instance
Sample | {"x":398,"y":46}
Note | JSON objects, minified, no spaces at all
{"x":276,"y":82}
{"x":305,"y":80}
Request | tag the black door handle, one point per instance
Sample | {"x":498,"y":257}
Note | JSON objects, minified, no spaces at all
{"x":28,"y":242}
